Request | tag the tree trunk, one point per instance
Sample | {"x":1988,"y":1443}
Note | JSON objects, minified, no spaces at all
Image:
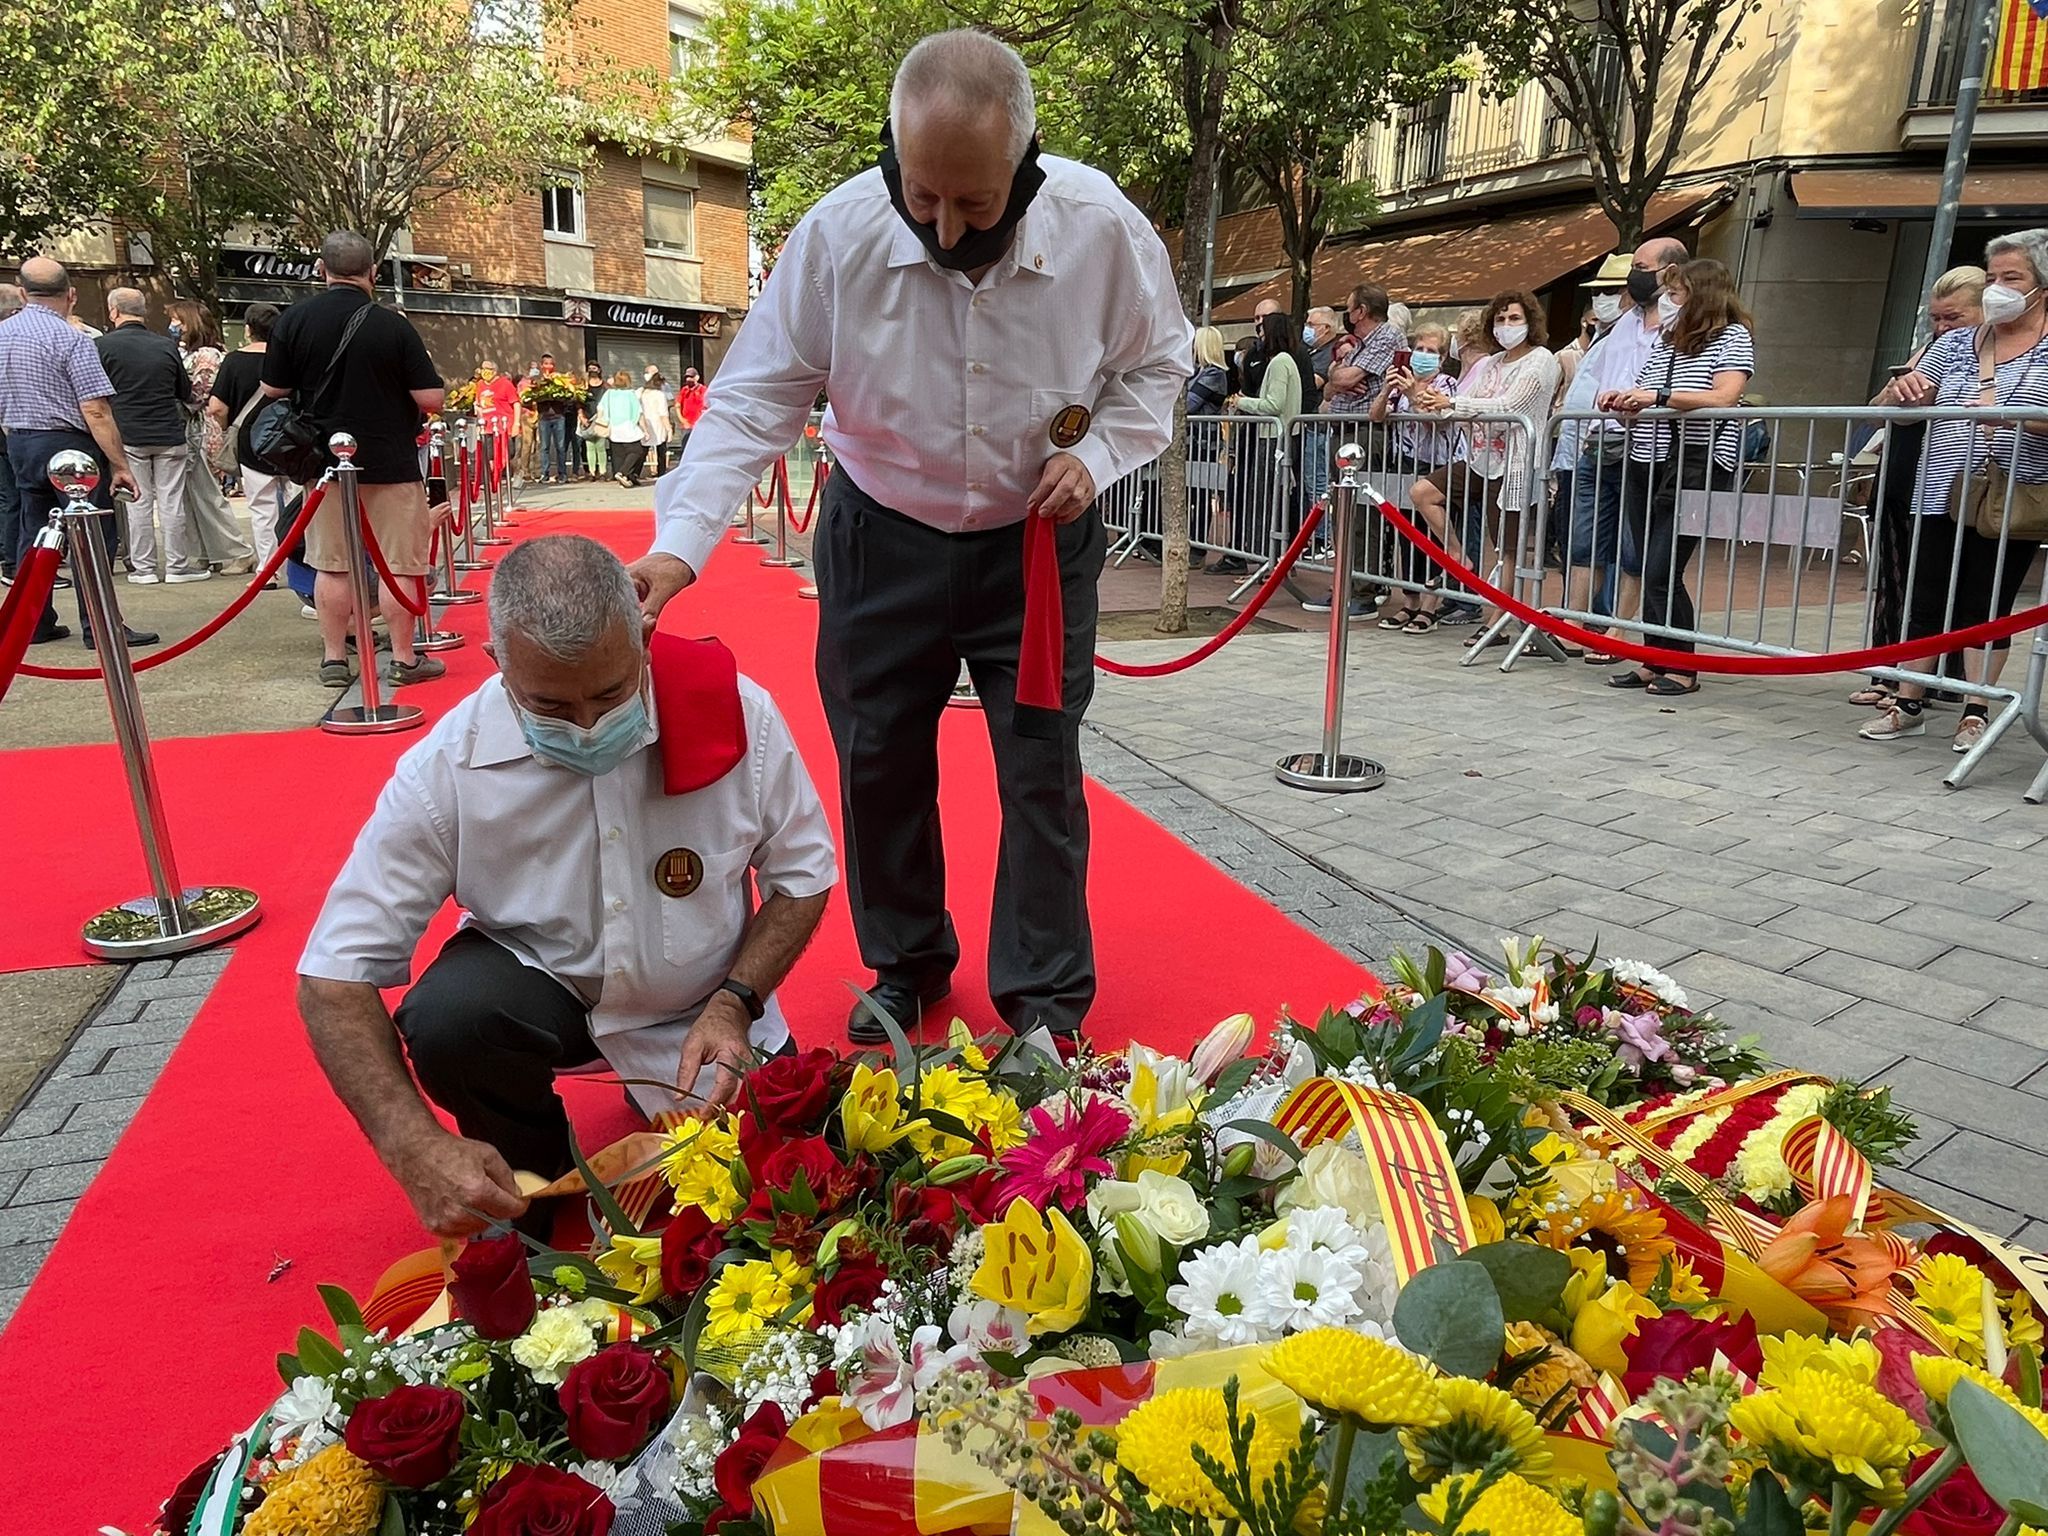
{"x":1205,"y":130}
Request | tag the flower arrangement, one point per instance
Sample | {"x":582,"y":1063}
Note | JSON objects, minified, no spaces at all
{"x":553,"y":389}
{"x":1532,"y":1251}
{"x":460,"y":399}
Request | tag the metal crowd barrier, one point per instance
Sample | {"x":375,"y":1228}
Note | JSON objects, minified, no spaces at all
{"x":1811,"y":534}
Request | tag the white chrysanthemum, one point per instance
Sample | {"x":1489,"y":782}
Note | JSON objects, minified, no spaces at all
{"x":554,"y":1341}
{"x":1218,"y":1291}
{"x":1633,"y":973}
{"x":308,"y":1414}
{"x":1327,"y":1228}
{"x":1303,"y":1288}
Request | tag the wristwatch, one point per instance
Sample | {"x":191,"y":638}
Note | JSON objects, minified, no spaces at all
{"x":749,"y":998}
{"x":1664,"y":399}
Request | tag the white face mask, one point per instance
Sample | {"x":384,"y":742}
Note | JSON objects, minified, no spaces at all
{"x":1606,"y":307}
{"x":2004,"y":305}
{"x":1508,"y":337}
{"x":1668,"y":308}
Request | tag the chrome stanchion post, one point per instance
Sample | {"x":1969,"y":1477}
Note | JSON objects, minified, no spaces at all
{"x":373,"y":716}
{"x":487,"y":449}
{"x":782,"y":556}
{"x":465,"y":508}
{"x":744,"y":520}
{"x":1330,"y":770}
{"x":446,"y":590}
{"x":173,"y":918}
{"x":823,"y":469}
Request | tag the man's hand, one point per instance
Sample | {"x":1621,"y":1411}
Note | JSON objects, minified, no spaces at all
{"x":1065,"y":489}
{"x":459,"y":1187}
{"x":657,"y":578}
{"x":718,"y":1039}
{"x":123,"y":482}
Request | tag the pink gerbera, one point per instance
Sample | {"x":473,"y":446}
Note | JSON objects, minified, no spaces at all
{"x":1065,"y":1143}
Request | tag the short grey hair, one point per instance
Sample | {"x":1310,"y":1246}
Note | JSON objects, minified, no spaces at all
{"x":2030,"y":243}
{"x":347,"y":254}
{"x":128,"y":303}
{"x":1322,"y":314}
{"x":11,"y":299}
{"x":563,"y":593}
{"x":965,"y":71}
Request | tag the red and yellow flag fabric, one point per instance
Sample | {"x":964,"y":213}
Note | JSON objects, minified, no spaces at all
{"x":2020,"y":60}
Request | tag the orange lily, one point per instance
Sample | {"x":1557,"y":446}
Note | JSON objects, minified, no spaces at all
{"x":1817,"y":1257}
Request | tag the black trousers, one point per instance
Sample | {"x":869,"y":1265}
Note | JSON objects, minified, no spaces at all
{"x":29,"y":454}
{"x":901,"y":606}
{"x":1649,"y":515}
{"x":486,"y":1035}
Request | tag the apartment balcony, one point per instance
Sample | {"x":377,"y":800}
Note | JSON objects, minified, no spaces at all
{"x":2003,"y":116}
{"x":1465,"y":145}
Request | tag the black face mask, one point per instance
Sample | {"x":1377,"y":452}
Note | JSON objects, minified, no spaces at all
{"x":1642,"y":287}
{"x":976,"y":247}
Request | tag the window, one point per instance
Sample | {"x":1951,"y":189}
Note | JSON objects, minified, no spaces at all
{"x":671,"y":219}
{"x":561,"y":209}
{"x":685,"y":38}
{"x":513,"y":22}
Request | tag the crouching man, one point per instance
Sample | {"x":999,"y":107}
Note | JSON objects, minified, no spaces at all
{"x":604,"y":811}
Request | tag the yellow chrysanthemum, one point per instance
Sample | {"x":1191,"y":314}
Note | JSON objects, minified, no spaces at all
{"x":1687,"y":1290}
{"x":999,"y":1115}
{"x":961,"y":1039}
{"x":1938,"y":1375}
{"x":332,"y":1494}
{"x":697,"y":1162}
{"x":1788,"y":1355}
{"x":1950,"y":1290}
{"x":2022,"y":1322}
{"x":1512,"y":1506}
{"x":1338,"y":1371}
{"x":1483,"y":1421}
{"x":1156,"y":1444}
{"x":633,"y":1264}
{"x":946,"y":1091}
{"x":1619,"y":1224}
{"x":1823,"y":1424}
{"x":744,"y":1297}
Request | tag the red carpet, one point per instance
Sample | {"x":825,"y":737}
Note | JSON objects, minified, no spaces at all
{"x":149,"y":1336}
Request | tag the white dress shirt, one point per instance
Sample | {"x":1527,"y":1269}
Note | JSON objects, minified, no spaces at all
{"x":943,"y":390}
{"x":559,"y":868}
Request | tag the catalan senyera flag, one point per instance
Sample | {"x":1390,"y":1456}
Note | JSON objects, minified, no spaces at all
{"x":2020,"y":60}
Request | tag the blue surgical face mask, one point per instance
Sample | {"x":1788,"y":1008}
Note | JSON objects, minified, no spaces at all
{"x":175,"y":330}
{"x":1308,"y":335}
{"x":593,"y":750}
{"x":1424,"y":364}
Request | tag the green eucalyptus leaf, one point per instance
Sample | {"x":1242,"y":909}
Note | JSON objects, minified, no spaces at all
{"x":1451,"y":1314}
{"x":2009,"y":1455}
{"x":1528,"y":1279}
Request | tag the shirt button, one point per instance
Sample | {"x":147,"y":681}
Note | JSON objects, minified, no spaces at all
{"x":974,"y":485}
{"x":618,"y":903}
{"x":980,"y":368}
{"x":612,"y":836}
{"x":977,"y":431}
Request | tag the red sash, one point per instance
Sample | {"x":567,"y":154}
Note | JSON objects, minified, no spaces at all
{"x":697,"y":703}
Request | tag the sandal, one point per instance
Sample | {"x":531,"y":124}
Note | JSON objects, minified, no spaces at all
{"x":1665,"y":686}
{"x":1876,"y":695}
{"x":1630,"y":679}
{"x":1399,"y":618}
{"x":1421,"y":624}
{"x":1599,"y":658}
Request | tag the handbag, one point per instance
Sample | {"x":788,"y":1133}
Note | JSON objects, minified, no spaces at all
{"x":283,"y":438}
{"x":2004,"y":506}
{"x":226,"y":459}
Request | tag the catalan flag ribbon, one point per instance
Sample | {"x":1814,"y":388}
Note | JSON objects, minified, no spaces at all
{"x":2020,"y":61}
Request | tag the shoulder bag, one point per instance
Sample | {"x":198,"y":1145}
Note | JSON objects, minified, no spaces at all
{"x":2003,"y":505}
{"x":226,"y":459}
{"x":283,"y":438}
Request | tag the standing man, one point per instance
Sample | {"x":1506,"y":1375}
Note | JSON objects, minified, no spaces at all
{"x":497,"y":412}
{"x":1030,"y":351}
{"x":150,"y":382}
{"x":1354,"y":384}
{"x":554,"y":430}
{"x":54,"y":396}
{"x":362,"y":369}
{"x":10,"y":498}
{"x":689,"y":407}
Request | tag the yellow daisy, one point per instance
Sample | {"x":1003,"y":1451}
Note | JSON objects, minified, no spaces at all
{"x":1786,"y":1356}
{"x":744,"y":1297}
{"x":1950,"y":1290}
{"x":1338,"y":1371}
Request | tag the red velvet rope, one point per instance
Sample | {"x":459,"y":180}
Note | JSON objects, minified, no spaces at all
{"x":384,"y":575}
{"x":819,"y":475}
{"x":219,"y":621}
{"x":1229,"y":631}
{"x":767,"y":499}
{"x":23,"y":610}
{"x":1688,"y":661}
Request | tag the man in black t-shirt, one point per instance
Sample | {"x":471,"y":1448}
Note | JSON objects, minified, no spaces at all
{"x":377,"y":391}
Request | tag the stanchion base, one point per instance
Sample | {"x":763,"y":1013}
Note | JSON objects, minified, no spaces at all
{"x":1344,"y":775}
{"x":354,"y":720}
{"x":783,"y":562}
{"x":964,"y":697}
{"x":808,"y":592}
{"x":472,"y":565}
{"x":135,"y":930}
{"x":493,"y":542}
{"x":457,"y":598}
{"x":750,"y":538}
{"x":439,"y":640}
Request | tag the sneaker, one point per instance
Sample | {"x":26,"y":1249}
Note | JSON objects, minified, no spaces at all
{"x":336,"y":674}
{"x":308,"y":611}
{"x":423,"y":669}
{"x":1969,"y":731}
{"x":1458,"y":613}
{"x":1893,"y":723}
{"x":1359,"y":609}
{"x":202,"y":574}
{"x":143,"y":579}
{"x":1321,"y":604}
{"x":240,"y":567}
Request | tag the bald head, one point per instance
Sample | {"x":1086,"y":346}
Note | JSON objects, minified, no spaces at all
{"x":1264,"y":308}
{"x":42,"y":278}
{"x":1664,"y":251}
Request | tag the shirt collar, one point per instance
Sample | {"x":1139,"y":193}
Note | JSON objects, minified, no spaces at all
{"x":498,"y":738}
{"x":1030,"y":251}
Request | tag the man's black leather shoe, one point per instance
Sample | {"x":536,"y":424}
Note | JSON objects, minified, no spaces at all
{"x":905,"y":1005}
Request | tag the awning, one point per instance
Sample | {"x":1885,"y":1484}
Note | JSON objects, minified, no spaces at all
{"x":1993,"y":192}
{"x":1470,"y":263}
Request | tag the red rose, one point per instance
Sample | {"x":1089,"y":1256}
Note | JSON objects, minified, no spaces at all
{"x":613,"y":1400}
{"x":925,"y":1215}
{"x":793,"y":1093}
{"x":1674,"y":1345}
{"x":1896,"y":1348}
{"x":411,"y":1436}
{"x":492,"y":1289}
{"x":175,"y":1517}
{"x":741,"y":1462}
{"x":831,"y":1182}
{"x":1959,"y":1507}
{"x":688,"y":1245}
{"x":857,"y":1282}
{"x":540,"y":1501}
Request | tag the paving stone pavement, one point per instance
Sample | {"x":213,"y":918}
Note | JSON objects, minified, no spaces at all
{"x":61,"y":1133}
{"x":1825,"y":893}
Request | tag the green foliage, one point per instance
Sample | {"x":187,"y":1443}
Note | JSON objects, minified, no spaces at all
{"x":1451,"y":1314}
{"x":2004,"y":1450}
{"x":1867,"y":1118}
{"x":1529,"y":1279}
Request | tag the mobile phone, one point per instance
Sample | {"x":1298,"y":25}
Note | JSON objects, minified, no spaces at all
{"x":1899,"y":370}
{"x":1401,"y":357}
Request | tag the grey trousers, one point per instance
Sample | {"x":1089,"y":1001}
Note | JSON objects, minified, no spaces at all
{"x":901,"y":606}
